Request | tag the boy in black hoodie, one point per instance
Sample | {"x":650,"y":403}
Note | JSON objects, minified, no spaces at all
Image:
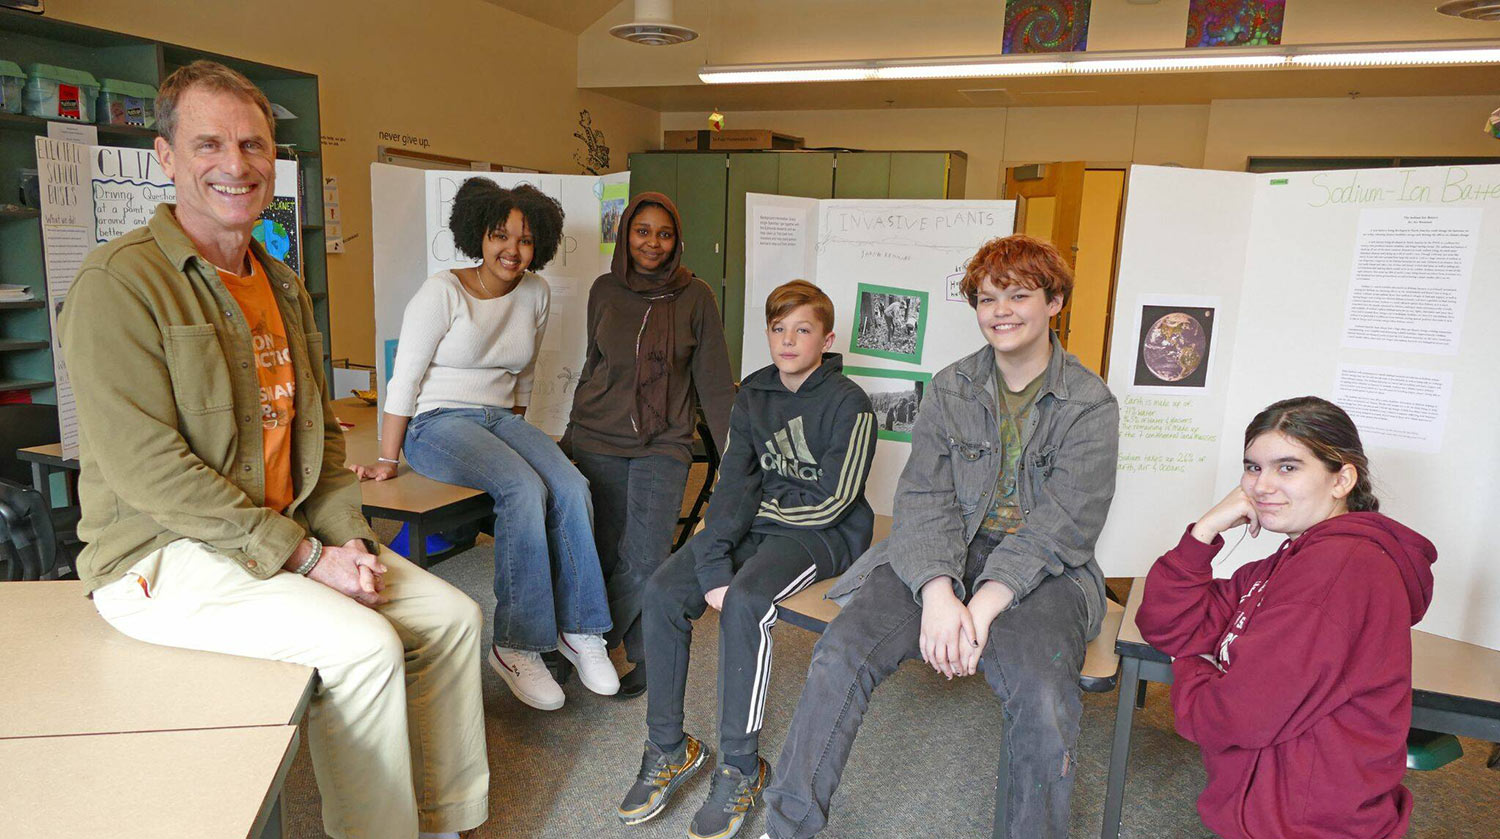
{"x":789,"y":510}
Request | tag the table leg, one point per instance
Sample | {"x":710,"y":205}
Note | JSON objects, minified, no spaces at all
{"x":416,"y":543}
{"x":41,"y":481}
{"x":1119,"y":754}
{"x":274,"y":828}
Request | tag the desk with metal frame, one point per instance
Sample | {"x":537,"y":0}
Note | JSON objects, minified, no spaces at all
{"x":197,"y":782}
{"x":85,"y":679}
{"x":1455,"y":690}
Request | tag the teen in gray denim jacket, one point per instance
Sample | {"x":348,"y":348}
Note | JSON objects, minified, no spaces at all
{"x":1029,"y":631}
{"x":1068,"y":461}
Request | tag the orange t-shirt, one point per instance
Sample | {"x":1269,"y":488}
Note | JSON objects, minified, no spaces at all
{"x":273,"y":367}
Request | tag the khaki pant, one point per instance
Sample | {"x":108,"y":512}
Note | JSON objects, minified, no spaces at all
{"x":396,"y":725}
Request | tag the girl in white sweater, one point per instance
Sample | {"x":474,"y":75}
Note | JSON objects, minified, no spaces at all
{"x":457,"y":400}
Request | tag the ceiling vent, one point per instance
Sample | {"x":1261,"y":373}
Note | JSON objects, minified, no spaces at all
{"x":653,"y":26}
{"x":1471,"y":9}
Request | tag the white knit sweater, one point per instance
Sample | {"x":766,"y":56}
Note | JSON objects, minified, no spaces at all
{"x":457,"y":351}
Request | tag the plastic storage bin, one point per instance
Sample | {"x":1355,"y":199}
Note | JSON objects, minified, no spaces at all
{"x":12,"y":81}
{"x":60,"y":93}
{"x":127,"y":103}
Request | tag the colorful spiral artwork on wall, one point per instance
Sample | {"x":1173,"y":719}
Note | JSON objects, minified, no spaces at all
{"x":1046,"y":26}
{"x":1234,"y":23}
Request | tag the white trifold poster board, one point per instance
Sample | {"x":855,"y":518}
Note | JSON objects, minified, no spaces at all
{"x":410,"y":209}
{"x":892,"y":269}
{"x":93,"y":194}
{"x":1370,"y":288}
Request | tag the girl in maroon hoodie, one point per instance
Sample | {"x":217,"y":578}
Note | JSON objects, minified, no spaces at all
{"x":1294,"y":675}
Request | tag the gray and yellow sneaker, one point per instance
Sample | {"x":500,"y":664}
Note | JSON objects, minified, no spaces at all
{"x":660,"y":776}
{"x":731,"y":797}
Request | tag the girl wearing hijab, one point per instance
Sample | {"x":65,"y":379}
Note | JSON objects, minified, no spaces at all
{"x":1294,"y":675}
{"x":656,"y":351}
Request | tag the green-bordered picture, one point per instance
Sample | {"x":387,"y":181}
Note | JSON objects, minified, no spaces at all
{"x":612,"y":200}
{"x":895,"y":394}
{"x":889,"y":323}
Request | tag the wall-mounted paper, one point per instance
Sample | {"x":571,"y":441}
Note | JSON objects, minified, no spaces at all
{"x":1395,"y":408}
{"x":1412,"y":269}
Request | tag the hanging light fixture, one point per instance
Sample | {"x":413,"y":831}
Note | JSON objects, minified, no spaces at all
{"x":1434,"y":54}
{"x":653,"y":26}
{"x":1471,"y":9}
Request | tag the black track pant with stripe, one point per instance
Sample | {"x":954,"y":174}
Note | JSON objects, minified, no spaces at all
{"x":768,"y":569}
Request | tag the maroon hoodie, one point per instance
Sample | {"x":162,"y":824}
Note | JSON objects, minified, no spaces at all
{"x":1302,"y":716}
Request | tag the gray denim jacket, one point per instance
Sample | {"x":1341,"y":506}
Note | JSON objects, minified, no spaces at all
{"x":1070,"y":444}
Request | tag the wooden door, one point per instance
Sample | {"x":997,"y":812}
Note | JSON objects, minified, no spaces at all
{"x":1050,"y":205}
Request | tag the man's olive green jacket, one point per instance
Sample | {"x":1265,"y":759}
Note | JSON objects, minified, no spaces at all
{"x":169,"y":415}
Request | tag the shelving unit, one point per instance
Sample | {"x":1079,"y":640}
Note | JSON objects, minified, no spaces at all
{"x":25,"y":336}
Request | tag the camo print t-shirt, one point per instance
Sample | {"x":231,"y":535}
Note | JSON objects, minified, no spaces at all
{"x":1004,"y":516}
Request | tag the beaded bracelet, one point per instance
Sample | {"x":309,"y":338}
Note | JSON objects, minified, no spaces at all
{"x":312,"y":559}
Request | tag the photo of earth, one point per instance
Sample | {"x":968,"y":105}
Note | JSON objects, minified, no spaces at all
{"x":1174,"y":346}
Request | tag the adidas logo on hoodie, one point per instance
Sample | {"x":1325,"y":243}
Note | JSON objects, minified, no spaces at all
{"x":787,"y":454}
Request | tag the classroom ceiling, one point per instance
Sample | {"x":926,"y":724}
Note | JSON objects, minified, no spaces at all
{"x":1129,"y":89}
{"x":569,"y":15}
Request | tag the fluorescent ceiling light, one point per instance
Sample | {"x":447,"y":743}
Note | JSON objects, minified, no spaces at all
{"x":994,"y":69}
{"x":1070,"y":64}
{"x":1148,"y":65}
{"x":1412,"y":58}
{"x":811,"y":74}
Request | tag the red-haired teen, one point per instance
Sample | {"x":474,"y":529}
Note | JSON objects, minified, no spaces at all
{"x":990,"y":558}
{"x":789,"y":510}
{"x":1294,"y":675}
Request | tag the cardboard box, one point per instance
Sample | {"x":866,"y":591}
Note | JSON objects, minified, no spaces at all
{"x":742,"y":139}
{"x":684,"y":140}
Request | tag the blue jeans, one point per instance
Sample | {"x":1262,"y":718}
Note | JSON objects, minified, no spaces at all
{"x":547,"y":575}
{"x":638,"y":500}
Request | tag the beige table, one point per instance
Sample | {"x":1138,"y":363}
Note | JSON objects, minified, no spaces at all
{"x":74,"y":674}
{"x":78,"y":680}
{"x":1455,"y":690}
{"x":217,"y":783}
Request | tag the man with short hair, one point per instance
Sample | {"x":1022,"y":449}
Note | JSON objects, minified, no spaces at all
{"x":216,"y":507}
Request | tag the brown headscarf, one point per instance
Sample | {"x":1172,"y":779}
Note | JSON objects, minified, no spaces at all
{"x":656,"y":342}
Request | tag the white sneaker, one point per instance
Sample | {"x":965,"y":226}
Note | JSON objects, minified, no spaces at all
{"x":527,"y":677}
{"x":588,"y":654}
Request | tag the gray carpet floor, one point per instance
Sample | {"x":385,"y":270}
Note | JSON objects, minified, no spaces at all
{"x":924,"y":764}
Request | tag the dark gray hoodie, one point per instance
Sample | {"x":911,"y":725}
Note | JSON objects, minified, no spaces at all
{"x":795,"y":466}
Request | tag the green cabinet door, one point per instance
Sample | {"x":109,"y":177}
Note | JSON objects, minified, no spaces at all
{"x":700,"y":199}
{"x":919,"y":175}
{"x":805,"y":174}
{"x":862,"y":174}
{"x":653,"y":173}
{"x":748,"y":172}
